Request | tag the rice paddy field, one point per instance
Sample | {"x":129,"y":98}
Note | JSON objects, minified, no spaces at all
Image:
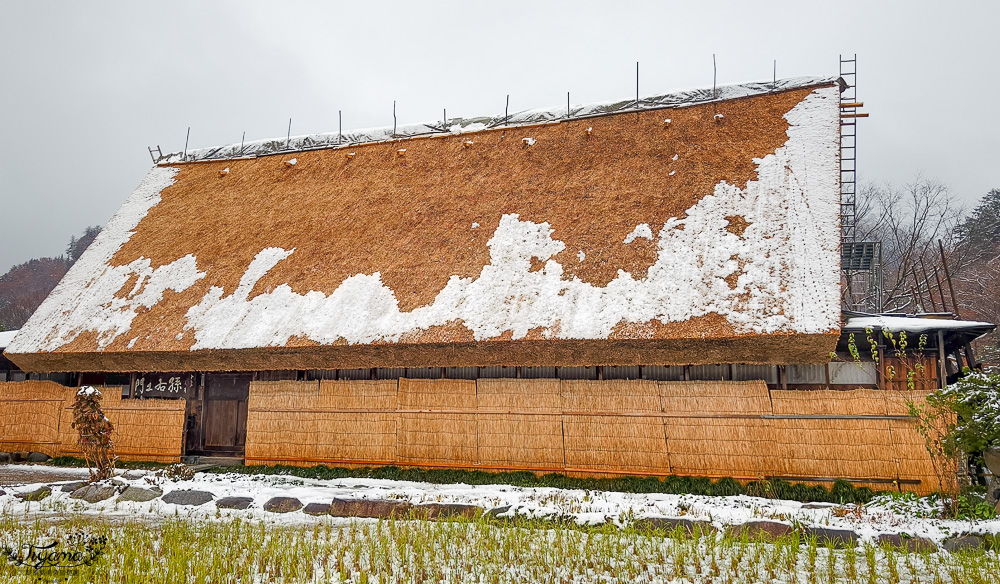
{"x":181,"y":550}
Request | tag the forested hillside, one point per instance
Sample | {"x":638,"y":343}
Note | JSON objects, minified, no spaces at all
{"x":25,"y":285}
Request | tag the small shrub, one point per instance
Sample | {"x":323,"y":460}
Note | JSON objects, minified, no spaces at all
{"x":179,"y":472}
{"x":972,"y":507}
{"x":94,"y":433}
{"x":975,"y":400}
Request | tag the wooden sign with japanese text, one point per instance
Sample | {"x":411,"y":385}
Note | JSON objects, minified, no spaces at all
{"x":164,"y":385}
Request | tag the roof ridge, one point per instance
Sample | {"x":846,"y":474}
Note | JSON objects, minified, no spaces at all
{"x":304,"y":143}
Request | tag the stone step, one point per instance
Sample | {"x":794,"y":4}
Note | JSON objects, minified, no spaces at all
{"x":199,"y":463}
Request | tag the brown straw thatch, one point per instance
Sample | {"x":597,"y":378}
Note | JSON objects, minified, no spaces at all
{"x":408,"y":218}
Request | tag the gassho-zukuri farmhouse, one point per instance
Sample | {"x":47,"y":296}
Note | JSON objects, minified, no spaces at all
{"x":647,"y":288}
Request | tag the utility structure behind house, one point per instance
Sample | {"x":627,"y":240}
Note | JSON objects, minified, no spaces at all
{"x":643,"y":287}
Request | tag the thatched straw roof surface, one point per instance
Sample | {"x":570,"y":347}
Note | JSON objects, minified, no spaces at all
{"x":698,"y":234}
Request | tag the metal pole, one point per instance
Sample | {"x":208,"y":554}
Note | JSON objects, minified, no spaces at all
{"x":506,"y":109}
{"x":774,"y":83}
{"x":714,"y":74}
{"x":637,"y":84}
{"x":340,"y":126}
{"x":242,"y":141}
{"x":567,"y":104}
{"x":186,"y":143}
{"x":394,"y":117}
{"x":289,"y":136}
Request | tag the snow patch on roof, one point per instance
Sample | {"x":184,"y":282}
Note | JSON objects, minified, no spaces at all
{"x":641,"y":230}
{"x":85,"y":298}
{"x":786,"y":265}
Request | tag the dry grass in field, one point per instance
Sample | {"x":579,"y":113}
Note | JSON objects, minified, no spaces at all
{"x":478,"y":551}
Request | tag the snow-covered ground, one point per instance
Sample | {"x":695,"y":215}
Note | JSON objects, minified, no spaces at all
{"x":884,"y":515}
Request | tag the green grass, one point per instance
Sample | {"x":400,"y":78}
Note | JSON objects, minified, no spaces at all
{"x":841,"y":492}
{"x":72,"y":461}
{"x":182,"y":551}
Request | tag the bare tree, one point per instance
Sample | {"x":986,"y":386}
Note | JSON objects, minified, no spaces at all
{"x":909,"y":221}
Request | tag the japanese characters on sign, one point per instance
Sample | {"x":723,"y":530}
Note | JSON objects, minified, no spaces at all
{"x":168,"y":385}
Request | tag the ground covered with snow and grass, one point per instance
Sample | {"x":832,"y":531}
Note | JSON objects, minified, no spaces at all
{"x":512,"y":534}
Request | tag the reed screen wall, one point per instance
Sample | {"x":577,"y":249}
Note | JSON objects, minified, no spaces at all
{"x":38,"y":416}
{"x":716,"y":429}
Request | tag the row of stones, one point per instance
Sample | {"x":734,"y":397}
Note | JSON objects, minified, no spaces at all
{"x":23,"y":456}
{"x":384,"y":509}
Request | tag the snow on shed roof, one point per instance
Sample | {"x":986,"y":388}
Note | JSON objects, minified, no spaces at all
{"x":465,"y":250}
{"x":5,"y":338}
{"x":915,"y":324}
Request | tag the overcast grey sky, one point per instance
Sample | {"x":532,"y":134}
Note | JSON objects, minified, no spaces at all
{"x":86,"y":87}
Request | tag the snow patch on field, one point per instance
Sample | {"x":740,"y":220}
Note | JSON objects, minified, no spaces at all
{"x":584,"y":507}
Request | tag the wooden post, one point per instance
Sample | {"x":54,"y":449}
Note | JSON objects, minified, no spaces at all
{"x":930,"y":292}
{"x":937,"y":278}
{"x":942,"y":370}
{"x":947,"y":275}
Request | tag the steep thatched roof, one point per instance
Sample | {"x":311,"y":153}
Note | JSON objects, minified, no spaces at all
{"x":692,"y":234}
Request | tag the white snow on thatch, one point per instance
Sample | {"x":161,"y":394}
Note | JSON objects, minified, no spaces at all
{"x":641,"y":230}
{"x":85,"y":298}
{"x":788,"y":282}
{"x":786,"y":265}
